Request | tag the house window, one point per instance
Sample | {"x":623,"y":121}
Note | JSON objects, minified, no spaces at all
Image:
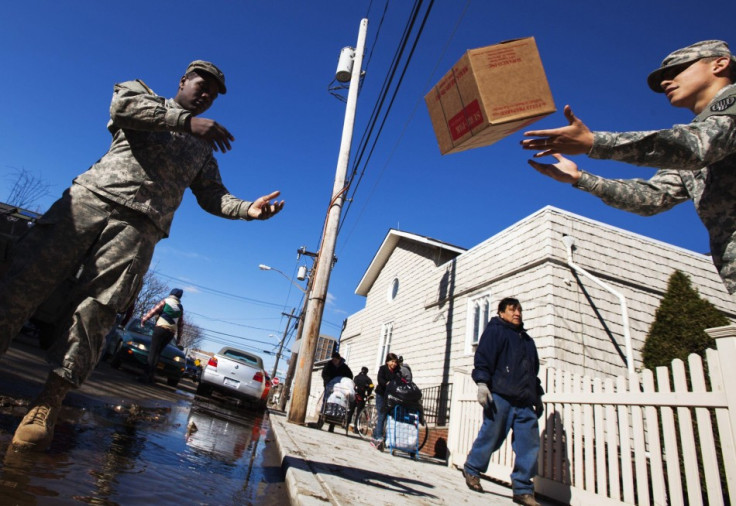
{"x":393,"y":289}
{"x":384,"y":346}
{"x":479,"y":314}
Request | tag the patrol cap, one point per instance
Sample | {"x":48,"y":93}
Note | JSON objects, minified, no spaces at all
{"x":211,"y":69}
{"x":702,"y":49}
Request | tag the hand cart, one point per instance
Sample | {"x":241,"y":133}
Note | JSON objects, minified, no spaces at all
{"x":402,"y":431}
{"x":339,"y":397}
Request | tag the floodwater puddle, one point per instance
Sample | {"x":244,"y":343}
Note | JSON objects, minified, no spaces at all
{"x":198,"y":452}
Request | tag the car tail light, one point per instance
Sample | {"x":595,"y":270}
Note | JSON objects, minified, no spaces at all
{"x":212,"y":362}
{"x":258,"y":377}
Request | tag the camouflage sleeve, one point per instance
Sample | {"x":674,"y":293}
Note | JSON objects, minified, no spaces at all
{"x":645,"y":197}
{"x":213,"y":197}
{"x":684,"y":147}
{"x":136,"y":107}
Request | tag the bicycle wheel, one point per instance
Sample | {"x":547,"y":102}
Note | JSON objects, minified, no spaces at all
{"x":367,"y":421}
{"x":423,"y":436}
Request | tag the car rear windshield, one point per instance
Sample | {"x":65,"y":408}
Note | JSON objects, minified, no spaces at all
{"x":243,"y":357}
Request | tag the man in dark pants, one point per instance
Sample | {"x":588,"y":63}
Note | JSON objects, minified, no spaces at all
{"x":363,"y":388}
{"x":104,"y":228}
{"x":505,"y":369}
{"x":169,"y":325}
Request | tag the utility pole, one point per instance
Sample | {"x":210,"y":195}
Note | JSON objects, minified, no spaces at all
{"x":318,"y":293}
{"x":286,"y":389}
{"x":281,"y":344}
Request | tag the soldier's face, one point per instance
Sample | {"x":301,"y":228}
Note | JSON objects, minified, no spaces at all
{"x":197,"y":93}
{"x":684,"y":85}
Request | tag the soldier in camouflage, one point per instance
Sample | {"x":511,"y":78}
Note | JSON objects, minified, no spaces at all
{"x":104,"y":228}
{"x":696,"y":161}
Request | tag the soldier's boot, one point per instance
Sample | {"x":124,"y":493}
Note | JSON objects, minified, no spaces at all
{"x":36,"y":430}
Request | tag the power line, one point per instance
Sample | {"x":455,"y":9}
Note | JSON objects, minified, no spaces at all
{"x":231,"y":323}
{"x":394,"y":68}
{"x":220,"y":292}
{"x":430,"y":79}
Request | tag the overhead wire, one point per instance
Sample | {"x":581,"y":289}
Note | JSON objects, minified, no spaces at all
{"x":378,"y":32}
{"x":237,"y":297}
{"x":398,"y":139}
{"x":385,"y":91}
{"x":213,"y":291}
{"x":385,"y":87}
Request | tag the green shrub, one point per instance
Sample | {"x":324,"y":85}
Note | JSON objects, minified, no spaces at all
{"x":679,"y":324}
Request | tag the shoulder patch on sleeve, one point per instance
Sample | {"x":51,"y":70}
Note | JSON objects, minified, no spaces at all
{"x":725,"y":106}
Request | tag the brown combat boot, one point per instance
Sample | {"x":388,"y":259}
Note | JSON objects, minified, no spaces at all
{"x":526,"y":500}
{"x":473,"y":482}
{"x":36,"y":430}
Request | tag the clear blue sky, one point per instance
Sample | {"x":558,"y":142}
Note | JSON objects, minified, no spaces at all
{"x":61,"y":60}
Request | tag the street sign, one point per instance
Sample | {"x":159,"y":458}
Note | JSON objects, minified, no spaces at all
{"x":275,"y":381}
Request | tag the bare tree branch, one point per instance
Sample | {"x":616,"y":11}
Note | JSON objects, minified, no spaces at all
{"x":26,"y":189}
{"x":192,"y":335}
{"x":153,"y":291}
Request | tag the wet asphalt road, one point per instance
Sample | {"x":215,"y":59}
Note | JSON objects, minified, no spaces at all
{"x":121,"y":442}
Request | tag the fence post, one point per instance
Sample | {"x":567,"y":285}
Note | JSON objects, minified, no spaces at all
{"x":725,"y":338}
{"x":726,"y":346}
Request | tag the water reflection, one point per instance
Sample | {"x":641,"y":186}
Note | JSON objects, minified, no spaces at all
{"x":203,"y":453}
{"x":221,"y":433}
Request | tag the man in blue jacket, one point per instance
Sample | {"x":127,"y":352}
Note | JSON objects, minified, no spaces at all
{"x":505,"y":369}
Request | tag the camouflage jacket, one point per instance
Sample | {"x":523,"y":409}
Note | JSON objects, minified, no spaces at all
{"x":696,"y":162}
{"x":152,"y":160}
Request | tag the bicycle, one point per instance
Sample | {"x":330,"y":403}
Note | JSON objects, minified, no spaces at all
{"x":367,"y":419}
{"x":367,"y":422}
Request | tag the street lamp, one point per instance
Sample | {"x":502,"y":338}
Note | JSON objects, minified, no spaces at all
{"x":265,"y":267}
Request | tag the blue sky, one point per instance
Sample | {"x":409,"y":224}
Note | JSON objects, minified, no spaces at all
{"x":61,"y":60}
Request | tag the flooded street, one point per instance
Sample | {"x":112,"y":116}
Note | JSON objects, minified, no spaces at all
{"x":160,"y":446}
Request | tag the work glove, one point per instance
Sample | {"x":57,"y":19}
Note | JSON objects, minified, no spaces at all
{"x":484,"y":396}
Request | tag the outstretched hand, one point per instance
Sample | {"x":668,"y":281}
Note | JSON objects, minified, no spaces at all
{"x":574,"y":139}
{"x":263,"y":209}
{"x":211,"y":131}
{"x":564,"y":171}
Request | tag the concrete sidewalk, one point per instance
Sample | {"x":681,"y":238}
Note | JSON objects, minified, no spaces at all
{"x":323,"y":467}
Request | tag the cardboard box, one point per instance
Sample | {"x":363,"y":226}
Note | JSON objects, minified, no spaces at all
{"x":490,"y":93}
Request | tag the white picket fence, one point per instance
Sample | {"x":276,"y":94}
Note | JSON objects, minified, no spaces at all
{"x":629,"y":440}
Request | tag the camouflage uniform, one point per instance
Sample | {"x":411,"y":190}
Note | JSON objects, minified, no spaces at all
{"x":106,"y":225}
{"x":696,"y":162}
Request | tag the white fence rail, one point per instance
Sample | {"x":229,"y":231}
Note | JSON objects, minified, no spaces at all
{"x":629,"y":440}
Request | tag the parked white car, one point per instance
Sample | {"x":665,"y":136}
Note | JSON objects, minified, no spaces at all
{"x":235,"y":372}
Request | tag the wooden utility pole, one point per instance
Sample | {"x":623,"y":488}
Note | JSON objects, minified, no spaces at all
{"x":286,"y":389}
{"x":281,"y":344}
{"x":318,"y":293}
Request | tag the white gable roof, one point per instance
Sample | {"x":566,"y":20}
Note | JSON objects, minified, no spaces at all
{"x":388,"y":246}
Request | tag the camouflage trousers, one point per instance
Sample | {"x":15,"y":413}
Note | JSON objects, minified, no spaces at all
{"x":106,"y":247}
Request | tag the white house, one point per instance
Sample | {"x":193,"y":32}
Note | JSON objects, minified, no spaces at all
{"x":428,"y":301}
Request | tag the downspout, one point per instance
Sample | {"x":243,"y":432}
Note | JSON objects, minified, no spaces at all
{"x":569,"y":242}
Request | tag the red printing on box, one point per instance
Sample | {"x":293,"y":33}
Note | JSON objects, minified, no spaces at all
{"x":464,"y":121}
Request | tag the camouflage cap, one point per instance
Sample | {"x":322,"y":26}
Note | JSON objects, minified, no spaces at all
{"x":703,"y":49}
{"x":211,"y":69}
